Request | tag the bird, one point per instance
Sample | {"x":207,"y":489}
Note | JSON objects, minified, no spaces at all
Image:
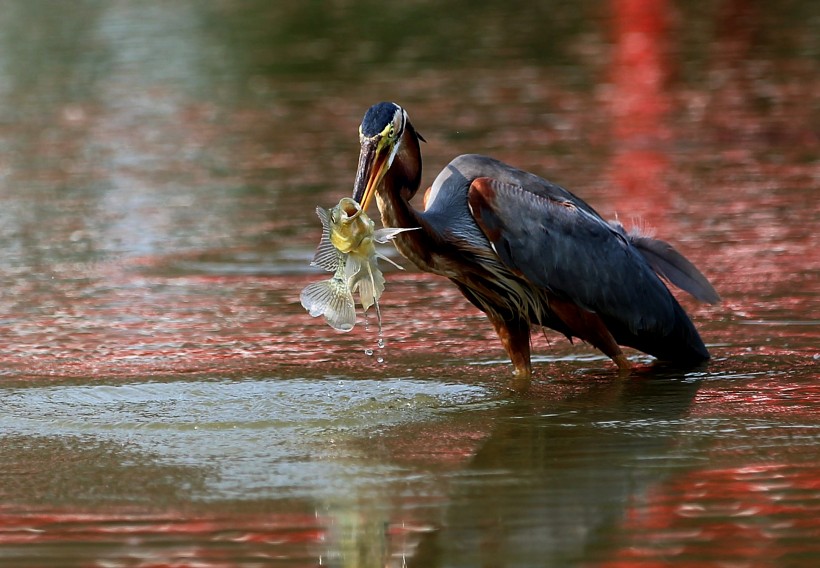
{"x":529,"y":253}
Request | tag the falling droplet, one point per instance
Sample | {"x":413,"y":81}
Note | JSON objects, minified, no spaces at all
{"x":379,"y":359}
{"x":381,"y":343}
{"x":368,"y":352}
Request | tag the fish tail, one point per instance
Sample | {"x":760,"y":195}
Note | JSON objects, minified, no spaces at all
{"x":331,"y":299}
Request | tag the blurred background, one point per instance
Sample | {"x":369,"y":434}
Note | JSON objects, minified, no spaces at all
{"x":197,"y":137}
{"x":160,"y":163}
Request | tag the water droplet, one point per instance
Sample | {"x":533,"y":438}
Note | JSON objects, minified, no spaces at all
{"x":379,"y":359}
{"x":368,"y":352}
{"x":381,"y":343}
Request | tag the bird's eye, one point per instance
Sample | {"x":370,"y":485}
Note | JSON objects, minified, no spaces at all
{"x":392,"y":132}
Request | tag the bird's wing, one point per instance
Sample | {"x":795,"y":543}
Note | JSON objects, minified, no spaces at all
{"x":573,"y":253}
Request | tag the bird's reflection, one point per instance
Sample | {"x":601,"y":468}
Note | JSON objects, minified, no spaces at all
{"x":554,"y":479}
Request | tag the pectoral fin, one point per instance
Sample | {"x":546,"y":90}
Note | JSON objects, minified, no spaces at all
{"x":384,"y":235}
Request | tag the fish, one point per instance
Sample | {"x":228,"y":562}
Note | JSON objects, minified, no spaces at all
{"x":348,"y":249}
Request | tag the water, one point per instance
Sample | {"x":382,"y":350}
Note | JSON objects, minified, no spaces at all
{"x":166,"y":400}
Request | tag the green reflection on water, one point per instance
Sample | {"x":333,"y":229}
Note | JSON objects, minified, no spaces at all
{"x":252,"y":439}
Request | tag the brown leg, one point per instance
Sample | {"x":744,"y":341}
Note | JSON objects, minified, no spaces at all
{"x":589,"y":327}
{"x":624,"y":366}
{"x":515,"y":337}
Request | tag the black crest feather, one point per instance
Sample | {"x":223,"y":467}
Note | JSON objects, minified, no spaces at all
{"x":377,"y":117}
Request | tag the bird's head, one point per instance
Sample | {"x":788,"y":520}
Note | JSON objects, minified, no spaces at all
{"x":383,"y":133}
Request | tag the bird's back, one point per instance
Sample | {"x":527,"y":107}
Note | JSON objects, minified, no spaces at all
{"x":454,"y":180}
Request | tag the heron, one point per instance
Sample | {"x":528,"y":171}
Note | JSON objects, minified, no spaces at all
{"x":528,"y":253}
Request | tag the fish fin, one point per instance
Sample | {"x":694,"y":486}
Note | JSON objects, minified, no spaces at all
{"x":332,"y":299}
{"x":384,"y":235}
{"x":378,"y":315}
{"x":326,"y":256}
{"x":370,"y":289}
{"x":354,"y":264}
{"x":365,"y":278}
{"x":391,"y":261}
{"x":376,"y":281}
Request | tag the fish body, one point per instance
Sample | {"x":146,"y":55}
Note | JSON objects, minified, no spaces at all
{"x":348,"y":249}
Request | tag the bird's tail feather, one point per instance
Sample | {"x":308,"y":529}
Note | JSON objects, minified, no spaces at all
{"x":674,"y":267}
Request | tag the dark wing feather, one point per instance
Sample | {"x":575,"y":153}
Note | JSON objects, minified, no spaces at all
{"x":672,"y":265}
{"x":573,"y":253}
{"x":661,"y":256}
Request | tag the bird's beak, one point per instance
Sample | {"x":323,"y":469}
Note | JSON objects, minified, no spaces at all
{"x":373,"y":163}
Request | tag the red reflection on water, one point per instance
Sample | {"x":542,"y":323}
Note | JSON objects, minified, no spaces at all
{"x":755,"y":500}
{"x":171,"y":538}
{"x":133,"y":322}
{"x":639,"y":68}
{"x":638,"y":102}
{"x":765,"y":512}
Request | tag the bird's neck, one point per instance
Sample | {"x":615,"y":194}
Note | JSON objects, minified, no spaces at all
{"x":399,"y":185}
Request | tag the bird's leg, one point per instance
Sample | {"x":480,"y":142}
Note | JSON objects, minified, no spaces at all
{"x":624,"y":366}
{"x":589,"y":327}
{"x":515,"y":337}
